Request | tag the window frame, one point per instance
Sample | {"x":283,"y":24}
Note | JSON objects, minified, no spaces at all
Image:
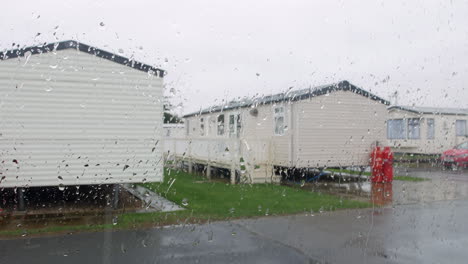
{"x":403,"y":133}
{"x":202,"y":126}
{"x":464,"y":133}
{"x":220,"y":127}
{"x":234,"y":127}
{"x":408,"y":130}
{"x":430,"y":129}
{"x":277,"y":115}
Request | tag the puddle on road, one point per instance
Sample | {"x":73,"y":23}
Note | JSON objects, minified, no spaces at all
{"x":398,"y":192}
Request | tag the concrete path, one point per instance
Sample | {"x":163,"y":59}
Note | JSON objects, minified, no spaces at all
{"x":151,"y":199}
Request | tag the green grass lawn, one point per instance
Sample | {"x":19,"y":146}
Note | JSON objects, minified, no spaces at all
{"x":217,"y":200}
{"x":415,"y":157}
{"x":210,"y":201}
{"x":396,"y":178}
{"x":409,"y":178}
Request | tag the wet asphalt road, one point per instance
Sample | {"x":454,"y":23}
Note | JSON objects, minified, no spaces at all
{"x":425,"y":231}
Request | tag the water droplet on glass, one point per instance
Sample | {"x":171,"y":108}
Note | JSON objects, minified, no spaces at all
{"x":102,"y":24}
{"x":48,"y":89}
{"x":121,"y":51}
{"x":53,"y":66}
{"x":185,"y":202}
{"x":27,"y":55}
{"x":61,"y":187}
{"x":115,"y":220}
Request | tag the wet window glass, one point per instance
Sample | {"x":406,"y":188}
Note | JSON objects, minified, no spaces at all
{"x":220,"y":125}
{"x":460,"y":126}
{"x":279,"y":120}
{"x":210,"y":131}
{"x":396,"y":129}
{"x":430,"y":128}
{"x":202,"y":126}
{"x":413,"y":128}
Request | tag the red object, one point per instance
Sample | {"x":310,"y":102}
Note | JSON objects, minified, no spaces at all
{"x":387,"y":167}
{"x":377,"y":165}
{"x":456,"y":157}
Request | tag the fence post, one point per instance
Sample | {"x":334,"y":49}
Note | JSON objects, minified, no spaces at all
{"x":208,"y":171}
{"x":21,"y":206}
{"x":115,"y":196}
{"x":190,"y":164}
{"x":233,"y":173}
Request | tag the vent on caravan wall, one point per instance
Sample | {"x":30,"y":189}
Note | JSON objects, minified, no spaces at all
{"x":254,"y":112}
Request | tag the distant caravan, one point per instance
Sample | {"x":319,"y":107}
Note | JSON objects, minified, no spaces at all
{"x":333,"y":125}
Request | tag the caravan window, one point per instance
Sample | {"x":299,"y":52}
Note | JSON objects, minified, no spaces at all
{"x":460,"y":127}
{"x":414,"y":128}
{"x":202,"y":126}
{"x":279,"y":120}
{"x":232,"y":128}
{"x":234,"y":125}
{"x":430,"y":128}
{"x":238,"y":125}
{"x":396,"y":129}
{"x":220,"y":125}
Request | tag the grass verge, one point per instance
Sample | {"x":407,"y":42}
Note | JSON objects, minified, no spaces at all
{"x":396,"y":178}
{"x":210,"y":201}
{"x":409,"y":178}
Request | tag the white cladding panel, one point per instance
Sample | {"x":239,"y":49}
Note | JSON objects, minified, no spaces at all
{"x":338,"y":129}
{"x":70,"y":118}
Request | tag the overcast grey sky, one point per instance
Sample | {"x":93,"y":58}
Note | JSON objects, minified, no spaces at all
{"x":216,"y":50}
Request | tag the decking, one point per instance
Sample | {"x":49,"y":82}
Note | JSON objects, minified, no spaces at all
{"x":249,"y":159}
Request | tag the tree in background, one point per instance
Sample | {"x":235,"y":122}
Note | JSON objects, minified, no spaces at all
{"x":169,"y":116}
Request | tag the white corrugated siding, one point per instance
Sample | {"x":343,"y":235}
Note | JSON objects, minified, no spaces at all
{"x":337,"y":129}
{"x":72,"y":118}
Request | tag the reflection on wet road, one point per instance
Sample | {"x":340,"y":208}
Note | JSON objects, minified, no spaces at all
{"x":440,"y":186}
{"x":418,"y":233}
